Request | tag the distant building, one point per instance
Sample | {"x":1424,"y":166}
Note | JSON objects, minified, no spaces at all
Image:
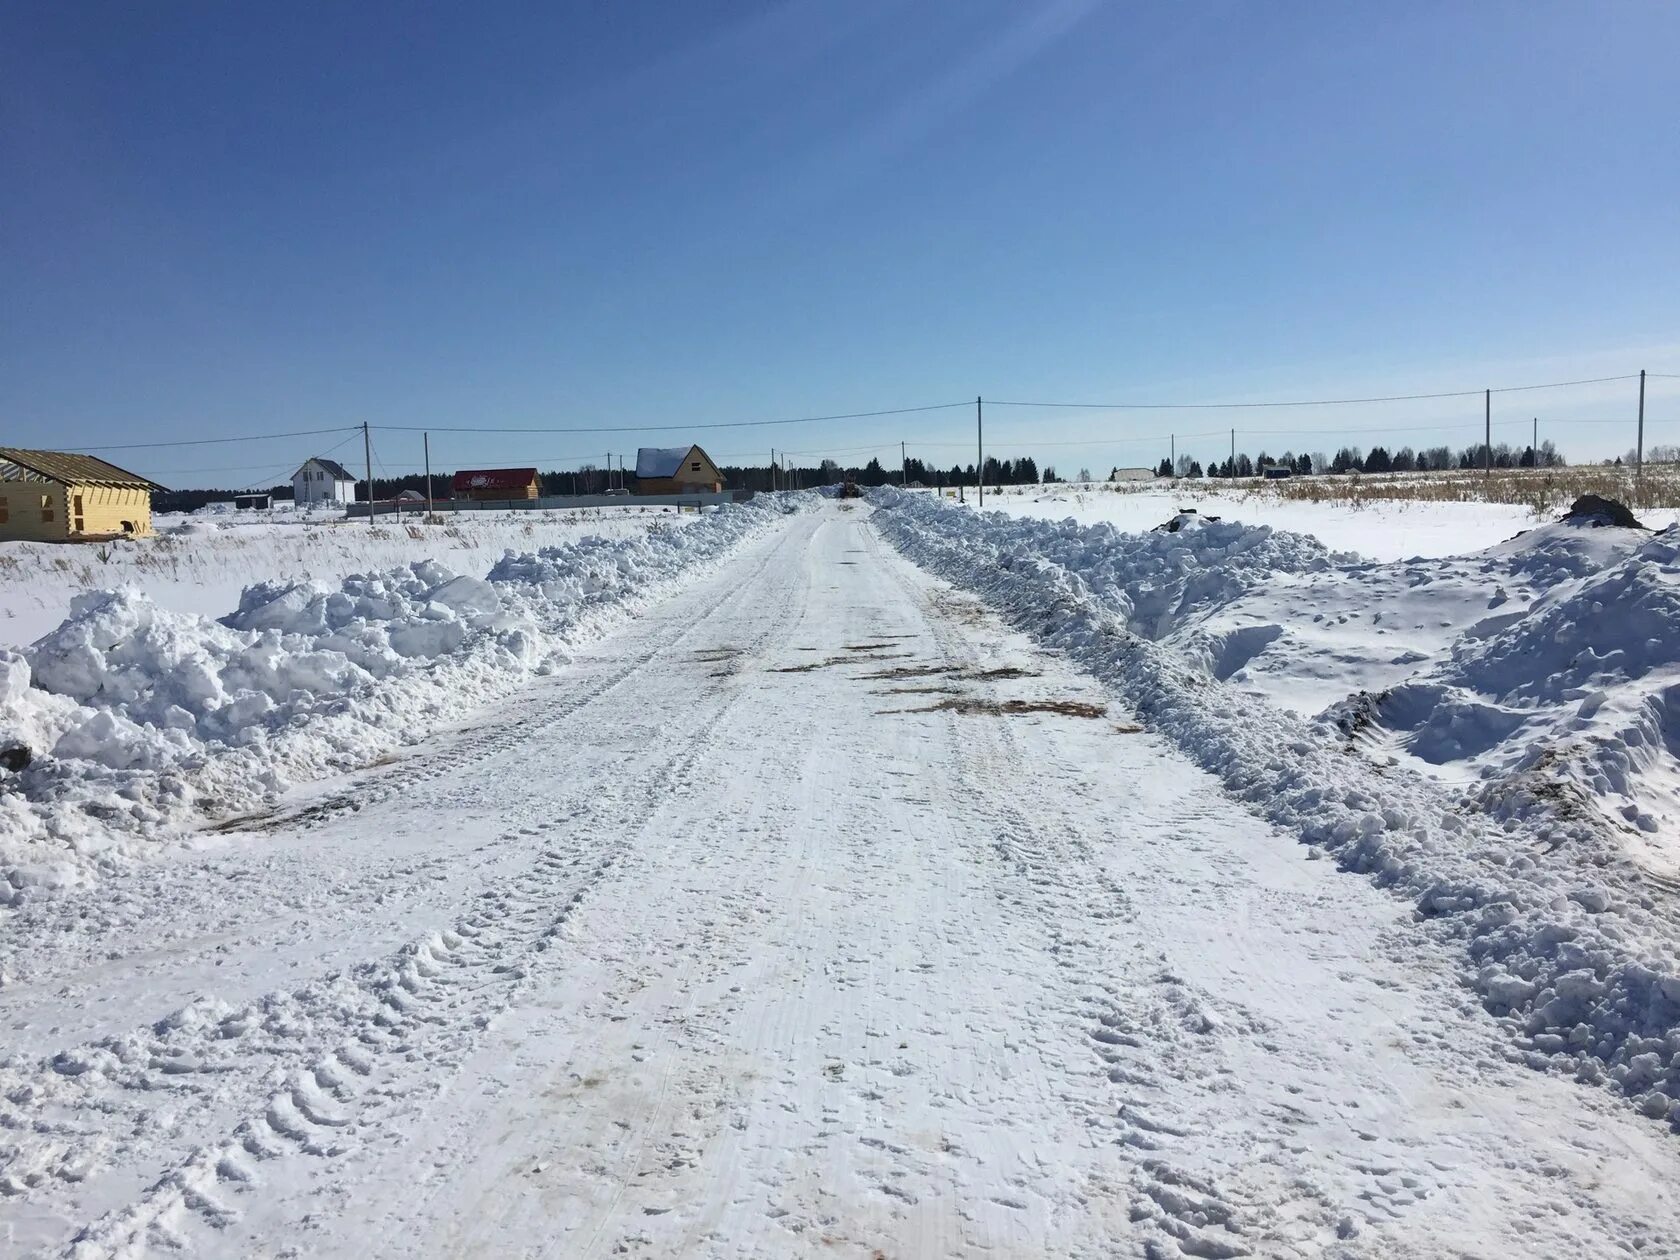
{"x":1132,"y":474}
{"x":322,"y":481}
{"x":1277,"y":472}
{"x":676,"y":470}
{"x":50,"y":496}
{"x":253,"y":502}
{"x":495,"y":485}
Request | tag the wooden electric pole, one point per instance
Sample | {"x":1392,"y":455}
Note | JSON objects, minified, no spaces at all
{"x":426,"y":440}
{"x":1639,"y":450}
{"x":980,"y":452}
{"x":367,"y":454}
{"x":1487,"y":439}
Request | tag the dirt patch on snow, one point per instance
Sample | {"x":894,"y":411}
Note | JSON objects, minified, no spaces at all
{"x":976,"y":706}
{"x":828,"y":661}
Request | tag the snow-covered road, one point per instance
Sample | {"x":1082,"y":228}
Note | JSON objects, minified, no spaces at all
{"x":814,"y":914}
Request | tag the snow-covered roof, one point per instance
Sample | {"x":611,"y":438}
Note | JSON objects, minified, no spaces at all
{"x":660,"y":461}
{"x":334,"y":469}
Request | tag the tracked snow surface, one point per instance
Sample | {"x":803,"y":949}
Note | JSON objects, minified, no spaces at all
{"x":1575,"y":946}
{"x":811,"y":912}
{"x":128,"y":722}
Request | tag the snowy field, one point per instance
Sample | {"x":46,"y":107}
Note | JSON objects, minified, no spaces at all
{"x":835,"y":878}
{"x":1531,"y":662}
{"x":199,"y":563}
{"x":1394,"y":529}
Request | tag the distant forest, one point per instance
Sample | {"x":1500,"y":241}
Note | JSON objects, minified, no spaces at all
{"x":998,"y":472}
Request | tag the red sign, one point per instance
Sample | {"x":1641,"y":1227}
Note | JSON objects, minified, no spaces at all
{"x":479,"y":480}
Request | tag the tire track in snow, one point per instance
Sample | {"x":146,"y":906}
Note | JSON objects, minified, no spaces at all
{"x":128,"y":899}
{"x":423,"y":1006}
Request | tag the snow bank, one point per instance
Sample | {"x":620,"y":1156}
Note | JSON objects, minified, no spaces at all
{"x":200,"y":564}
{"x":1563,"y":938}
{"x":1552,"y":681}
{"x":129,"y":721}
{"x":1160,"y":581}
{"x":1542,"y":670}
{"x":1383,"y":530}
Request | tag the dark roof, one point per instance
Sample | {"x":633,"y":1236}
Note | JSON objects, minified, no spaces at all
{"x":70,"y":469}
{"x":665,"y":461}
{"x":336,"y":470}
{"x":660,"y":461}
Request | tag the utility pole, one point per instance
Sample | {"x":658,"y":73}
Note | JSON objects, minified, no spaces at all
{"x":1233,"y":466}
{"x":903,"y":479}
{"x":772,"y":470}
{"x":367,"y":454}
{"x":1487,"y":439}
{"x":1172,"y":455}
{"x":426,"y":439}
{"x":1534,"y":442}
{"x":980,"y":451}
{"x":1639,"y":451}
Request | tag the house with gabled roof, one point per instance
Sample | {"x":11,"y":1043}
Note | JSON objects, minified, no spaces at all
{"x":322,"y":481}
{"x":676,"y":470}
{"x":60,"y":496}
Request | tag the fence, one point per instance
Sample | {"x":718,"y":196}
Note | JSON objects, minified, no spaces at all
{"x":417,"y":507}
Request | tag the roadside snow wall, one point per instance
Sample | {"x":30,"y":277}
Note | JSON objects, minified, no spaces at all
{"x":135,"y":721}
{"x":1564,"y":942}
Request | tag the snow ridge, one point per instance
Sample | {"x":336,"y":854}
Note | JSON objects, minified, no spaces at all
{"x":137,"y":722}
{"x":1565,"y":941}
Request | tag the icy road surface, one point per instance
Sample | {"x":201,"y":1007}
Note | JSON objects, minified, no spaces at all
{"x":771,"y":927}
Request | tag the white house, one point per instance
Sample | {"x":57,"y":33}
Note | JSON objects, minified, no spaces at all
{"x":1132,"y":474}
{"x":322,"y":481}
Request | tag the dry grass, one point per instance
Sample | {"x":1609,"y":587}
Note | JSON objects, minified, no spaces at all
{"x":1544,"y":491}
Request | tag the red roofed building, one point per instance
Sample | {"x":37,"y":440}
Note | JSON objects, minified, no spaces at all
{"x":495,"y":484}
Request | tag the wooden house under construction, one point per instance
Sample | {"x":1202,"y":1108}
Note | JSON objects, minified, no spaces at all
{"x":676,"y":470}
{"x":56,"y":496}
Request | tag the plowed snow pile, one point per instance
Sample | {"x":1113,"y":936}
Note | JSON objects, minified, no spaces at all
{"x":1565,"y":665}
{"x":199,"y":563}
{"x":128,"y":721}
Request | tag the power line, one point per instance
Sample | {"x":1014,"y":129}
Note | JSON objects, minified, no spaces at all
{"x":661,"y":428}
{"x":1309,"y":402}
{"x":260,"y":437}
{"x":182,"y":472}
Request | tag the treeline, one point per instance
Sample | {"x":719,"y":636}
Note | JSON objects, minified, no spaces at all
{"x":1005,"y":472}
{"x":1025,"y":471}
{"x":1379,"y":459}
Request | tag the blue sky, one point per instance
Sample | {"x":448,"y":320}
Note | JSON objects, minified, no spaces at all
{"x":230,"y":219}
